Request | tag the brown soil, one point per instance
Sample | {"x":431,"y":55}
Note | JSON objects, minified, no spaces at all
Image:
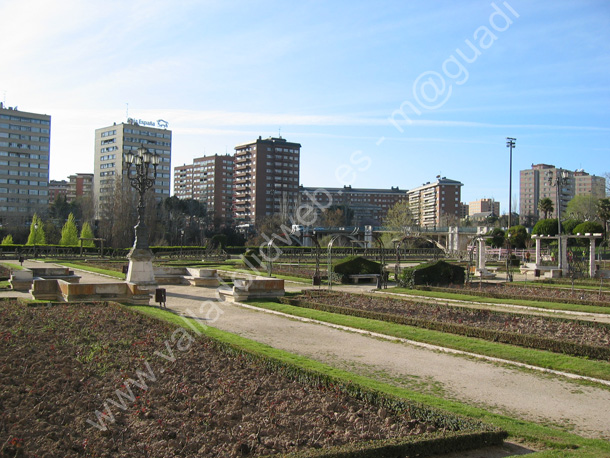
{"x":60,"y":364}
{"x":584,"y":333}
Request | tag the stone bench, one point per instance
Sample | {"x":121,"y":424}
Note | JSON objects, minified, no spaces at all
{"x":194,"y":276}
{"x":63,"y":291}
{"x":23,"y":280}
{"x":255,"y":288}
{"x":357,"y":277}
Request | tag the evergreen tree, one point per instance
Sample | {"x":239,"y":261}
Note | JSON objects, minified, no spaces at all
{"x":8,"y":240}
{"x":37,"y":235}
{"x":69,"y":233}
{"x":87,"y":233}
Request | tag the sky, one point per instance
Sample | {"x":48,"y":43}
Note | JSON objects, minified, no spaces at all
{"x":379,"y":94}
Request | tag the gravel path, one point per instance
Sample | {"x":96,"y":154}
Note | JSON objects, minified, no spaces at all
{"x":537,"y":397}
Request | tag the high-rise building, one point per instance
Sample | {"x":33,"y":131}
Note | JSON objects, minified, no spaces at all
{"x":369,"y":206}
{"x":113,"y":141}
{"x":208,"y":179}
{"x":490,"y":206}
{"x":266,"y":179}
{"x":436,"y":204}
{"x":539,"y":182}
{"x":24,"y":165}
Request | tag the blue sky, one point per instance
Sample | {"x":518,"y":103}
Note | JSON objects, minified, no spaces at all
{"x":330,"y":75}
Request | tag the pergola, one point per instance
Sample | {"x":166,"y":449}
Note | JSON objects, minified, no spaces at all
{"x":563,"y":240}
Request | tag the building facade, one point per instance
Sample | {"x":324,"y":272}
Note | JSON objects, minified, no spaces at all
{"x":79,"y":185}
{"x":25,"y":140}
{"x":208,"y":179}
{"x":489,"y":206}
{"x":266,"y":179}
{"x":369,"y":206}
{"x":113,"y":141}
{"x":57,"y":188}
{"x":539,"y":182}
{"x":436,"y":204}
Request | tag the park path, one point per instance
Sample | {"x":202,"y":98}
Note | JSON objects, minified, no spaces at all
{"x":538,"y":397}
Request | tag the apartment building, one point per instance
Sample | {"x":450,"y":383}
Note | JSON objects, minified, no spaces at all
{"x":369,"y":206}
{"x":57,"y":188}
{"x":113,"y":141}
{"x":24,"y":164}
{"x":266,"y":179}
{"x":488,"y":206}
{"x":79,"y":185}
{"x":208,"y":179}
{"x":436,"y":204}
{"x":539,"y":182}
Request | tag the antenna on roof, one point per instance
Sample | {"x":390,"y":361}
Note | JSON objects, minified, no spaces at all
{"x":280,"y":132}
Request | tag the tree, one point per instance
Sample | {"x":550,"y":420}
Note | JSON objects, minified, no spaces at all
{"x":399,"y":217}
{"x":545,"y":227}
{"x":7,"y":240}
{"x":582,"y":207}
{"x":69,"y":233}
{"x":337,"y":215}
{"x":588,"y":227}
{"x":603,"y":212}
{"x":37,"y":235}
{"x":545,"y":205}
{"x":497,"y":238}
{"x":87,"y":233}
{"x":518,"y":236}
{"x":568,"y":225}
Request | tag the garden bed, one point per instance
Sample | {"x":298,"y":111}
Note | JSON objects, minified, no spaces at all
{"x":578,"y":338}
{"x":63,"y":367}
{"x":527,"y":292}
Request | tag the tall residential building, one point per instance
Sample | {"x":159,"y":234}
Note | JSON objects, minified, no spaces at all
{"x":79,"y":185}
{"x":208,"y":179}
{"x":369,"y":206}
{"x":266,"y":179}
{"x":436,"y":204}
{"x":113,"y":141}
{"x":589,"y":185}
{"x":24,"y":165}
{"x":539,"y":182}
{"x":490,"y":206}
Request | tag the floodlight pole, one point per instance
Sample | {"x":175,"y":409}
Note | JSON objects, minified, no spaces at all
{"x":510,"y":143}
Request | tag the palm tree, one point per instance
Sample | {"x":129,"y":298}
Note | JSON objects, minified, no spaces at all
{"x":546,"y":206}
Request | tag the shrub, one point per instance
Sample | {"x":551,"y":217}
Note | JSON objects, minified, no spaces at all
{"x":252,"y":259}
{"x":355,"y":265}
{"x":437,"y":273}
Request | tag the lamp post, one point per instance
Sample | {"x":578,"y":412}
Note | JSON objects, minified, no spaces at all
{"x":181,"y":241}
{"x":140,"y":257}
{"x":510,"y":144}
{"x":561,"y":178}
{"x":35,"y":239}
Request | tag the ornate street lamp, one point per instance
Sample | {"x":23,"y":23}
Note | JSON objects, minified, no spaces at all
{"x":561,"y":179}
{"x":140,"y":257}
{"x":510,"y":144}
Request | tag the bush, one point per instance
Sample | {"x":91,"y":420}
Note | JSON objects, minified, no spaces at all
{"x":437,"y":273}
{"x":252,"y":259}
{"x":355,"y":265}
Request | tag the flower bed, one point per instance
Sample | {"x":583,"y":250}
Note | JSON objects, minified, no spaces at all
{"x":534,"y":293}
{"x":63,"y":368}
{"x":579,"y":338}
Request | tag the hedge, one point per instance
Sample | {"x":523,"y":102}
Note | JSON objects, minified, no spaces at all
{"x":435,"y":273}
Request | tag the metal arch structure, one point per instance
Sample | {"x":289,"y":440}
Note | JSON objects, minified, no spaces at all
{"x":383,"y":280}
{"x":332,"y":241}
{"x":416,"y":235}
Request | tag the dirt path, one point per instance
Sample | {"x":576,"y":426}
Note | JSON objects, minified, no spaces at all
{"x":518,"y":393}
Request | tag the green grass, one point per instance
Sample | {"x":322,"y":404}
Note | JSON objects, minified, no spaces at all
{"x":12,"y":266}
{"x":540,"y":358}
{"x":528,"y":303}
{"x":111,"y":273}
{"x":556,"y":443}
{"x":263,"y":273}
